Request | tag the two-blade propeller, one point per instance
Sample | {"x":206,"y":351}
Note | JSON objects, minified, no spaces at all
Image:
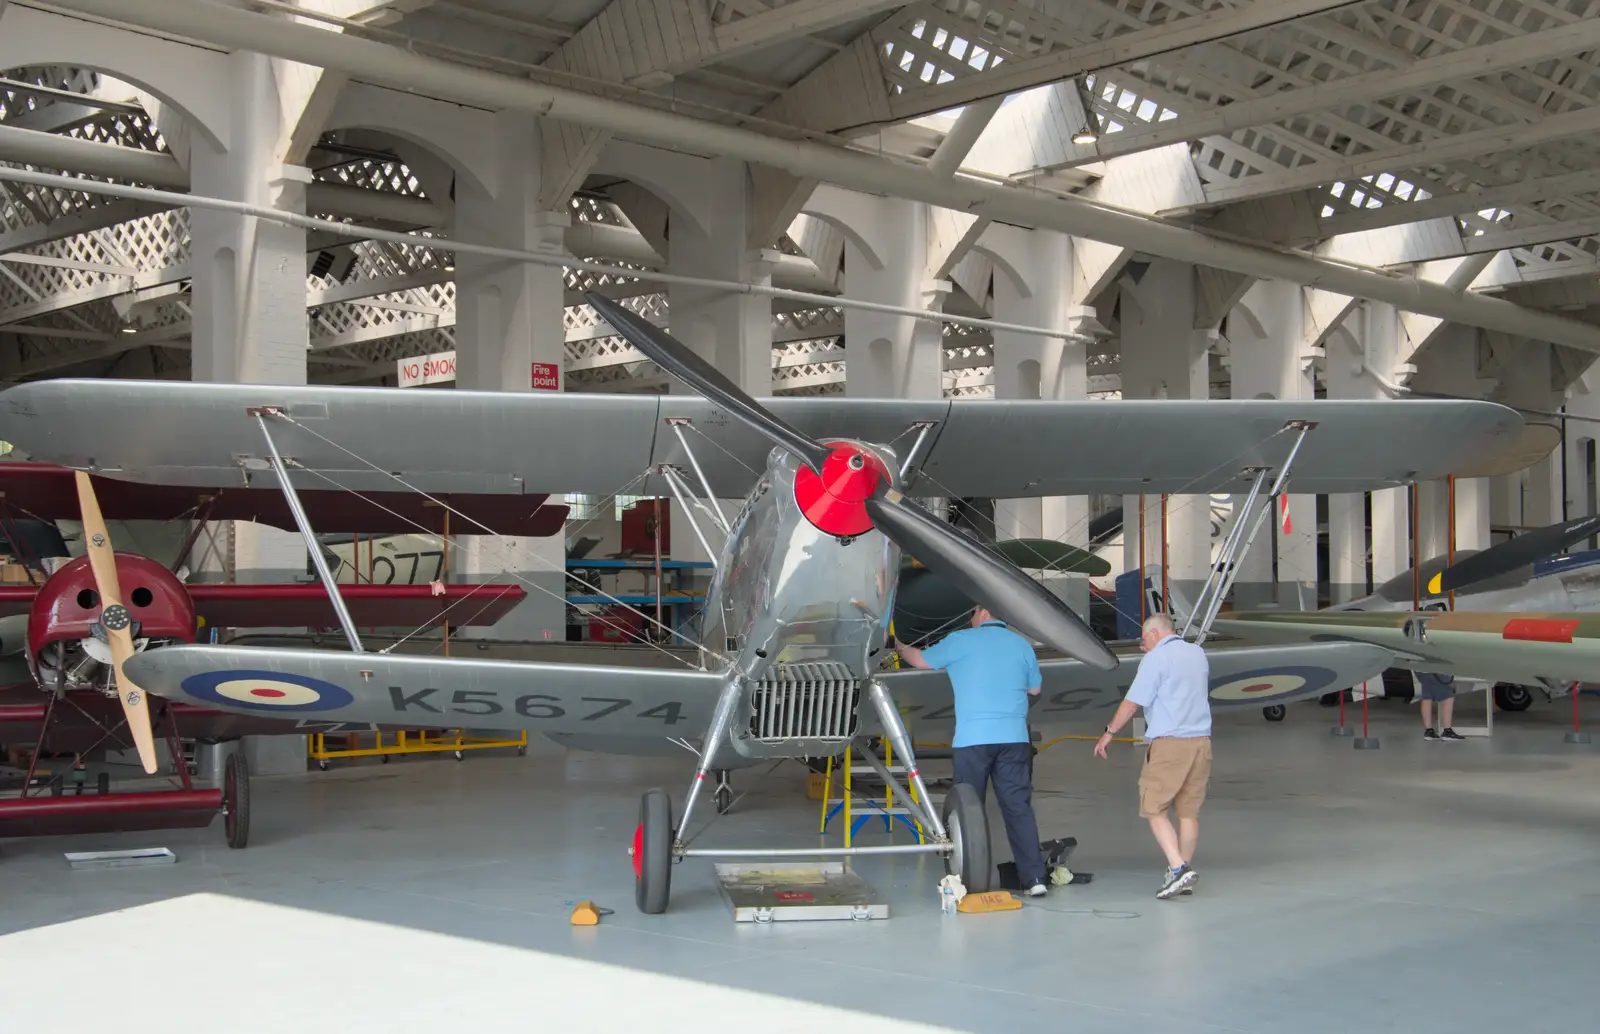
{"x":1510,"y":555}
{"x":845,"y":490}
{"x":115,"y":620}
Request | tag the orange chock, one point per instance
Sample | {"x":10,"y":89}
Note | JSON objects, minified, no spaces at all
{"x":989,"y":901}
{"x":585,"y":914}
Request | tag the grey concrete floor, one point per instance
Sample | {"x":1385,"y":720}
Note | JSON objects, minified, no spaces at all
{"x":1420,"y":887}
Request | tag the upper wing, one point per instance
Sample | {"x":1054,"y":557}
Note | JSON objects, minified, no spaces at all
{"x":1522,"y":648}
{"x":510,"y":442}
{"x":392,"y":689}
{"x":47,"y":492}
{"x":1241,"y":677}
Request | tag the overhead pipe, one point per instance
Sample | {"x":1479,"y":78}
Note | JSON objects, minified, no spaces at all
{"x":306,"y":222}
{"x":392,"y":67}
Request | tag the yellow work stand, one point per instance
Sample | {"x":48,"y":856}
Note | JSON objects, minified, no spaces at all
{"x":416,"y":741}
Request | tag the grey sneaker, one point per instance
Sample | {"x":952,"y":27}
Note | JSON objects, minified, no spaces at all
{"x":1177,"y":882}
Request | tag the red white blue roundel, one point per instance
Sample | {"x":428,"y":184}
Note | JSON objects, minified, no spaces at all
{"x":1271,"y":685}
{"x":266,"y":691}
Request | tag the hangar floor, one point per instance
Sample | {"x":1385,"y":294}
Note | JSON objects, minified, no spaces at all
{"x":1422,"y":887}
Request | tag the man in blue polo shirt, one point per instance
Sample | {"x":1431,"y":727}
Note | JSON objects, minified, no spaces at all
{"x":993,"y":672}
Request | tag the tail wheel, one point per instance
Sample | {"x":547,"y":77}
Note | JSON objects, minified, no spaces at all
{"x":968,"y":825}
{"x":236,"y":800}
{"x":652,"y":853}
{"x":1274,"y":712}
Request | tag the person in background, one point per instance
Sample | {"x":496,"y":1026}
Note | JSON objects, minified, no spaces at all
{"x":1174,"y":688}
{"x":993,"y":671}
{"x":1438,"y":689}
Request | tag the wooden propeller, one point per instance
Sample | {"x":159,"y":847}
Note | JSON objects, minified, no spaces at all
{"x":115,"y":620}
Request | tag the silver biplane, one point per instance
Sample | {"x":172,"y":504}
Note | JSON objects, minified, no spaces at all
{"x":791,"y":658}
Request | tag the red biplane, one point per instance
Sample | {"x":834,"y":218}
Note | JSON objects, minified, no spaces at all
{"x":93,"y":613}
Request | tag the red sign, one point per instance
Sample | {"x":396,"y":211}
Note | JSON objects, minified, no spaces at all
{"x":546,"y":377}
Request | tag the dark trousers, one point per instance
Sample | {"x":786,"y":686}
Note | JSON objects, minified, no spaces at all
{"x":1009,"y":764}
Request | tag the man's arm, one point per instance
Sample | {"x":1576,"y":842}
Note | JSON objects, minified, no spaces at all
{"x":911,"y":655}
{"x":1141,"y":694}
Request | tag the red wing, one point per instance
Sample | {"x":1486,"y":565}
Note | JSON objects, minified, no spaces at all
{"x":371,"y":606}
{"x":47,"y":492}
{"x":16,"y":599}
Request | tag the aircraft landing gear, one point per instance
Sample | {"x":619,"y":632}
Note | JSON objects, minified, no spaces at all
{"x":967,"y":825}
{"x":1274,"y":712}
{"x":236,"y":800}
{"x":723,"y":797}
{"x":652,"y":853}
{"x":1512,"y":698}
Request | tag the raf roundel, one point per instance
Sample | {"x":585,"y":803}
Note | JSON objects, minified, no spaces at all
{"x":1270,"y":685}
{"x":266,"y":691}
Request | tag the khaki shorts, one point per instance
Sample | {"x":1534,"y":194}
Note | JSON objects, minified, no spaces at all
{"x":1174,"y":776}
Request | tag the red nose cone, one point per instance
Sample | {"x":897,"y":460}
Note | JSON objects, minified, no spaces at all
{"x":836,"y":501}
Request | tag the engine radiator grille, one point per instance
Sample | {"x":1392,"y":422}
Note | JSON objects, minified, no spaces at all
{"x":805,"y":702}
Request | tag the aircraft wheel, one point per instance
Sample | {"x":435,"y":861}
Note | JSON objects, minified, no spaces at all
{"x":1274,"y":712}
{"x":236,"y":800}
{"x":968,"y":825}
{"x":1512,"y":698}
{"x":102,"y":783}
{"x":724,"y":799}
{"x":652,"y":853}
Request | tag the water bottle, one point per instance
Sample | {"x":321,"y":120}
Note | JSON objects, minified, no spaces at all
{"x":947,"y":895}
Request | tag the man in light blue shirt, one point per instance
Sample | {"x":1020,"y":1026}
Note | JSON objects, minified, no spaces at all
{"x":1174,"y":688}
{"x":993,"y":671}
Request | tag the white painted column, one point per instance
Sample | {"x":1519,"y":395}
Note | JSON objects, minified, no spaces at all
{"x":510,"y":336}
{"x":886,"y":261}
{"x":1265,"y":331}
{"x":248,"y":288}
{"x":1449,"y":366}
{"x":731,"y":331}
{"x":1165,"y":357}
{"x":1035,"y":367}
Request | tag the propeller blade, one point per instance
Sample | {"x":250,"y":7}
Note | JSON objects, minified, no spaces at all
{"x":988,"y":578}
{"x":114,"y":618}
{"x":680,"y":361}
{"x":1518,"y":552}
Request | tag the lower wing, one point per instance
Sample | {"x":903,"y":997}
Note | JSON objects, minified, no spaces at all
{"x":1241,"y":677}
{"x":448,"y":692}
{"x":1522,"y":648}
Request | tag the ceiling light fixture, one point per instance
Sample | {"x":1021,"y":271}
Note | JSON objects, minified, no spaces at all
{"x":1090,"y":133}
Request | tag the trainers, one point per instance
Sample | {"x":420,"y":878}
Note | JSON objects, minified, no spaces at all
{"x":1430,"y":735}
{"x":1038,"y":890}
{"x":1178,"y":880}
{"x":1451,"y":735}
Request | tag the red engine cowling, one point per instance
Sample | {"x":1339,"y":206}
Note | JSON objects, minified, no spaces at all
{"x":68,"y":603}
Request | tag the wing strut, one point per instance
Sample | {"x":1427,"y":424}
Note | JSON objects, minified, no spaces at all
{"x":312,"y":545}
{"x":1226,"y":569}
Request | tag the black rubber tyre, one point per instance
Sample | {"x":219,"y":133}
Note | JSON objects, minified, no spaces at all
{"x":102,"y":783}
{"x":1274,"y":712}
{"x":968,"y":825}
{"x":236,"y":800}
{"x":1512,"y":698}
{"x":652,"y":853}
